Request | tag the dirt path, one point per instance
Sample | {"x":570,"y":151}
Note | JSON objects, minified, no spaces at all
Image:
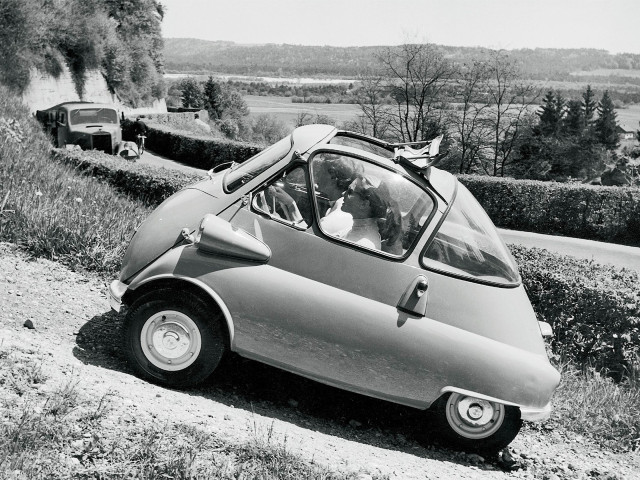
{"x":79,"y":335}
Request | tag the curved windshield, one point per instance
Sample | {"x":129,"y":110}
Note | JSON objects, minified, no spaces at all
{"x":85,"y":116}
{"x":468,"y":244}
{"x":241,"y":173}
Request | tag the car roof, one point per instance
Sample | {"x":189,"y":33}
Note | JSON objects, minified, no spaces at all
{"x":442,"y":182}
{"x":79,"y":104}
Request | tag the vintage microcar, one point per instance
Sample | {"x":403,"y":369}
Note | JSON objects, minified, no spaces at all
{"x":421,"y":305}
{"x":92,"y":126}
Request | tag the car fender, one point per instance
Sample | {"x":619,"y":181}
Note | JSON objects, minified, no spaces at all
{"x":163,"y":269}
{"x":526,"y":412}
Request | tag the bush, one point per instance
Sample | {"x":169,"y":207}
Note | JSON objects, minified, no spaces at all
{"x":144,"y":183}
{"x":594,"y":309}
{"x":197,"y":150}
{"x":610,"y":214}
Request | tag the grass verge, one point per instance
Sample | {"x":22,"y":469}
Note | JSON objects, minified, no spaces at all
{"x":58,"y":432}
{"x":590,"y":404}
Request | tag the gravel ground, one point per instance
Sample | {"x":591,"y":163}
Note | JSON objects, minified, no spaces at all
{"x":79,"y":335}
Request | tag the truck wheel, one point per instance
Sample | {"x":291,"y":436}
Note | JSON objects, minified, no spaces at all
{"x":470,"y":423}
{"x":174,"y":338}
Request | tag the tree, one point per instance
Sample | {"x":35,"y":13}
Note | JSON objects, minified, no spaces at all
{"x":233,"y":105}
{"x":192,"y":96}
{"x":606,"y":125}
{"x":588,"y":105}
{"x":212,"y":98}
{"x":589,"y":109}
{"x":574,"y":121}
{"x":511,"y":101}
{"x":471,"y":125}
{"x":370,"y":97}
{"x":551,"y":115}
{"x":416,"y":75}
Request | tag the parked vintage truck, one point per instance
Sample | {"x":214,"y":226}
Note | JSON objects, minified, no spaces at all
{"x":87,"y":124}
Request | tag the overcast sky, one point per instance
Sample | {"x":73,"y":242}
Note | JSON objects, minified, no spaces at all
{"x":612,"y":25}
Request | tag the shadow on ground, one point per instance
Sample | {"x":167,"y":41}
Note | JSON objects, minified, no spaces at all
{"x":274,"y":393}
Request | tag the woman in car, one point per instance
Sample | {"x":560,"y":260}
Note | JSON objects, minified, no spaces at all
{"x":376,"y":217}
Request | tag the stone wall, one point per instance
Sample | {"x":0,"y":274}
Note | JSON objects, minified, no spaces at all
{"x":45,"y":91}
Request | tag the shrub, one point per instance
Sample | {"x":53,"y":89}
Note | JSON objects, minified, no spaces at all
{"x":197,"y":150}
{"x":144,"y":183}
{"x":594,"y":309}
{"x":610,"y":214}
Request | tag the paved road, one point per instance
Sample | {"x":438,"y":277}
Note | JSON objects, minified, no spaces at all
{"x":605,"y":253}
{"x":151,"y":158}
{"x":601,"y":252}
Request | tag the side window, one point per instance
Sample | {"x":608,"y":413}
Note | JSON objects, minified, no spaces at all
{"x":368,"y":205}
{"x":62,"y":118}
{"x":286,"y":199}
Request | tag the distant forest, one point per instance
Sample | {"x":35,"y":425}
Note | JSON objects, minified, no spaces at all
{"x":192,"y":55}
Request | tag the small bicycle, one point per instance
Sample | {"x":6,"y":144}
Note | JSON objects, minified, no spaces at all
{"x":140,"y":144}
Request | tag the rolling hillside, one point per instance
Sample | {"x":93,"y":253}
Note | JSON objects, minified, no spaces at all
{"x":188,"y":54}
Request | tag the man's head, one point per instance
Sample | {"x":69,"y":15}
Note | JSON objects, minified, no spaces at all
{"x":333,"y":174}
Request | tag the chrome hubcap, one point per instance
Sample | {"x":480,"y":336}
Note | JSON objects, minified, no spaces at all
{"x":170,"y":340}
{"x":472,"y":417}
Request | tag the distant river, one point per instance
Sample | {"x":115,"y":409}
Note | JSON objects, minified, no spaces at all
{"x":275,"y":80}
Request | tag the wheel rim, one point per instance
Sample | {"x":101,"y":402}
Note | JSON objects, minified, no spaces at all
{"x":473,"y":417}
{"x":170,"y":340}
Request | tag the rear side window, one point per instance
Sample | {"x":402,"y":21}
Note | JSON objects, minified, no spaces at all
{"x":468,"y":245}
{"x":241,"y":173}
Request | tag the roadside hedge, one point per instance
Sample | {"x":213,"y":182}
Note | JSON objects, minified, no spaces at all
{"x":146,"y":183}
{"x":197,"y":150}
{"x":594,"y":309}
{"x":610,"y":214}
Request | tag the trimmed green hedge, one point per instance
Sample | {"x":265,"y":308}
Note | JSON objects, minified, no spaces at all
{"x":610,"y":214}
{"x":144,"y":182}
{"x":196,"y":150}
{"x":594,"y":309}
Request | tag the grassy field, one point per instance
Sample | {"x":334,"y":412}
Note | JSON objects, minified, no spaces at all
{"x":629,"y":118}
{"x":288,"y":112}
{"x":607,"y":72}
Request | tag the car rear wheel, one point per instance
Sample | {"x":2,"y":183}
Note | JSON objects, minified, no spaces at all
{"x":476,"y":424}
{"x":174,"y":339}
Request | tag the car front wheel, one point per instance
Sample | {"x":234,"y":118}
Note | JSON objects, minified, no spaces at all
{"x":173,"y":339}
{"x":476,"y":424}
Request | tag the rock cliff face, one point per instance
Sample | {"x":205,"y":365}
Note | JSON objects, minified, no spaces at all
{"x":45,"y":91}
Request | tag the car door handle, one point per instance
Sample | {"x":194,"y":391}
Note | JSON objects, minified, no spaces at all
{"x":414,"y":300}
{"x":421,"y":287}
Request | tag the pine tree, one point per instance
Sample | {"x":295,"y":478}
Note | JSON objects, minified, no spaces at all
{"x":213,"y":99}
{"x":574,"y":121}
{"x":588,"y":105}
{"x":606,"y":125}
{"x":551,"y":114}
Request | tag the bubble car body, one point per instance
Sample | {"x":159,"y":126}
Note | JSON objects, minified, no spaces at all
{"x":432,"y":315}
